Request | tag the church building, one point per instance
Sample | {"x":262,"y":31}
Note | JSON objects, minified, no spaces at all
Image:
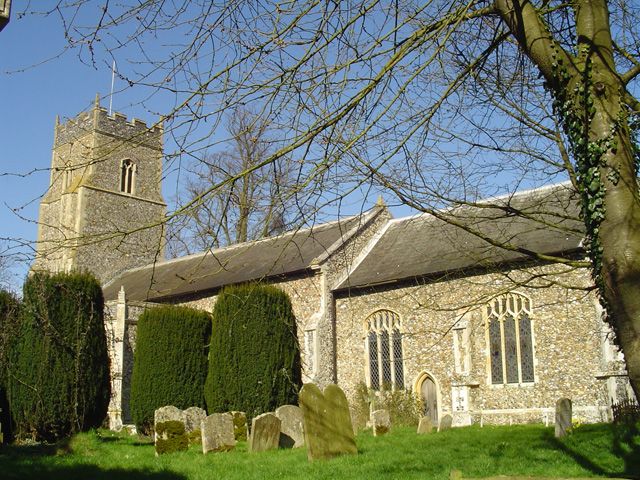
{"x":482,"y":310}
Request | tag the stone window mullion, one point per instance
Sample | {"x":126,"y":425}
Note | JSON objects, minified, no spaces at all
{"x":503,"y":350}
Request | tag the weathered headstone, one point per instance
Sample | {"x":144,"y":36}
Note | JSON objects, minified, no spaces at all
{"x":380,"y":422}
{"x":239,"y":425}
{"x":445,"y":422}
{"x":265,"y":433}
{"x":167,"y":414}
{"x":327,"y":422}
{"x":217,"y":433}
{"x":170,"y":437}
{"x":425,"y":425}
{"x":563,"y":417}
{"x":193,"y":417}
{"x":291,"y":429}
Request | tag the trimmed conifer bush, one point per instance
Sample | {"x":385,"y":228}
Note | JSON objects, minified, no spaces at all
{"x":254,"y":359}
{"x":170,"y":361}
{"x":9,"y":312}
{"x":60,"y":378}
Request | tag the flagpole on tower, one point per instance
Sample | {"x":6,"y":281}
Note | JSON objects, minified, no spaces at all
{"x":113,"y":78}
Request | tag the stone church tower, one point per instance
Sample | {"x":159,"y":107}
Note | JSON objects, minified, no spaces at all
{"x":103,"y":210}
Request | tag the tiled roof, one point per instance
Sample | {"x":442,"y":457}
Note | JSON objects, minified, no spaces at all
{"x":544,"y":221}
{"x":291,"y":252}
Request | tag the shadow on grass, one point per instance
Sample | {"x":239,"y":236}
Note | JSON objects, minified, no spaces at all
{"x":82,"y":472}
{"x":45,"y":461}
{"x":625,"y":445}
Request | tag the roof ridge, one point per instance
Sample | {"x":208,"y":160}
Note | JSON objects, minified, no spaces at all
{"x":519,"y":194}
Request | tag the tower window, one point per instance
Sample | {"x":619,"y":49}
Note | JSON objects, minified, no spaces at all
{"x":127,"y":176}
{"x":384,"y":351}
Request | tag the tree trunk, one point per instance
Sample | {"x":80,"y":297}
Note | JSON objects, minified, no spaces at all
{"x":590,"y":97}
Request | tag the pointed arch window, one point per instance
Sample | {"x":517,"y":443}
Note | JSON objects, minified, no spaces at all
{"x":384,"y":351}
{"x":127,"y":176}
{"x":510,"y":339}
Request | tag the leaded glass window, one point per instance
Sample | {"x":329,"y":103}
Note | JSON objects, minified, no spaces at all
{"x":384,"y":350}
{"x":495,"y":349}
{"x":373,"y":361}
{"x":510,"y":349}
{"x":526,"y":348}
{"x":510,"y":339}
{"x":397,"y":358}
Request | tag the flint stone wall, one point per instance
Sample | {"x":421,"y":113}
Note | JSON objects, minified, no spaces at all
{"x":566,"y":342}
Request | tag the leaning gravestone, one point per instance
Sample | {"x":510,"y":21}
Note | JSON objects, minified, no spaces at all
{"x":239,"y":425}
{"x":265,"y":433}
{"x":193,"y":417}
{"x":217,"y":433}
{"x":327,"y":422}
{"x":563,"y":417}
{"x":425,"y":425}
{"x":445,"y":422}
{"x":380,"y":422}
{"x":291,"y":430}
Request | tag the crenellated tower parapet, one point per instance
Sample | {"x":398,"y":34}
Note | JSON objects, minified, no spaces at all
{"x":116,"y":125}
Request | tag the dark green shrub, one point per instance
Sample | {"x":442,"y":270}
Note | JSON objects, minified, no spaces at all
{"x":170,"y":361}
{"x":254,"y":359}
{"x":9,"y":314}
{"x":59,"y":382}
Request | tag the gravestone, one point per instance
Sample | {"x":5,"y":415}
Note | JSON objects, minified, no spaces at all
{"x":445,"y":422}
{"x":327,"y":422}
{"x":193,"y":417}
{"x":425,"y":425}
{"x":239,"y":425}
{"x":380,"y":422}
{"x":291,"y":430}
{"x":167,"y":414}
{"x":217,"y":433}
{"x":265,"y":433}
{"x":170,"y":437}
{"x":164,"y":414}
{"x":563,"y":417}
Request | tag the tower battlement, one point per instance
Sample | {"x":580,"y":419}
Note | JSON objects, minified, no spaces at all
{"x":116,"y":125}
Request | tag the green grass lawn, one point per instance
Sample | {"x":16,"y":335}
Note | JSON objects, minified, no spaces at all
{"x":592,"y":450}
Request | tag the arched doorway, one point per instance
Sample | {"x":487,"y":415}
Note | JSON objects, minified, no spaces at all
{"x":429,"y":395}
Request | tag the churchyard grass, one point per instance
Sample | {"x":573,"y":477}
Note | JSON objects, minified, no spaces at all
{"x":590,"y":451}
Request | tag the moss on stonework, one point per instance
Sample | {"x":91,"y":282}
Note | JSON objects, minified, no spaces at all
{"x":239,"y":426}
{"x":195,"y":437}
{"x":171,"y":437}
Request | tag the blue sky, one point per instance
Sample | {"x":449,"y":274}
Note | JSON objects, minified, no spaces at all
{"x":36,"y":84}
{"x":39,"y":80}
{"x":32,"y":92}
